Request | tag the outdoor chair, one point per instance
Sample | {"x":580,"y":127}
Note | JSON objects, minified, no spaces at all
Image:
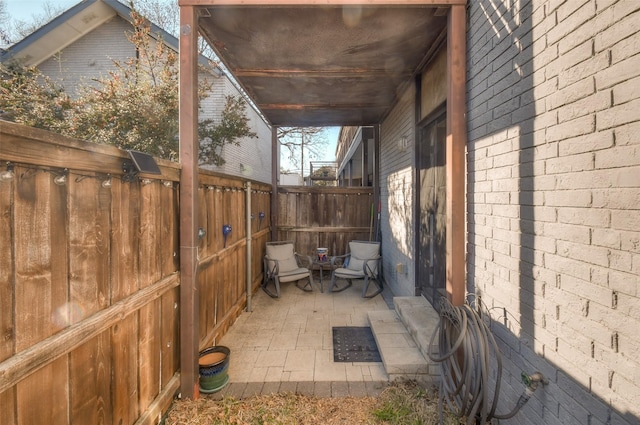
{"x":282,"y":264}
{"x":362,"y":262}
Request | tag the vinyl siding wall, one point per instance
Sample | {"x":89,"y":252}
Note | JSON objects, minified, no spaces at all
{"x":397,"y":194}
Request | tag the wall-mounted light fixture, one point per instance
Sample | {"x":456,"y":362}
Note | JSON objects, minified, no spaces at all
{"x":260,"y":218}
{"x":140,"y":163}
{"x":403,"y":143}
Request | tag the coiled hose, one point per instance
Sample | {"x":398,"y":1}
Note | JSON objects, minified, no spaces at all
{"x":466,"y":347}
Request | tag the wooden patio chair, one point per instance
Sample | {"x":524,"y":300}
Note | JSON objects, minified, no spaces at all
{"x":362,"y":262}
{"x":282,"y":264}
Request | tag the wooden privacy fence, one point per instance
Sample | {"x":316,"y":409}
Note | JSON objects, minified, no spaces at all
{"x":89,"y":277}
{"x":223,"y":261}
{"x":330,"y":217}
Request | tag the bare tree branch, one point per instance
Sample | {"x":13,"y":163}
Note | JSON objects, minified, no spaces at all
{"x":302,"y":143}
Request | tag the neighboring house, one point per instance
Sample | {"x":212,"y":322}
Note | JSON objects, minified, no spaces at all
{"x":355,"y":155}
{"x":81,"y":44}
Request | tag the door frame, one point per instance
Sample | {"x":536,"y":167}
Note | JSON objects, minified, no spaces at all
{"x":437,"y":113}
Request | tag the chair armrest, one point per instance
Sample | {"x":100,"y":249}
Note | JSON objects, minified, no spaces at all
{"x":304,"y":261}
{"x":365,"y":265}
{"x":276,"y":267}
{"x":339,"y":260}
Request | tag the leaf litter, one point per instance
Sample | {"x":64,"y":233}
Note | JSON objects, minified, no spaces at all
{"x":401,"y":402}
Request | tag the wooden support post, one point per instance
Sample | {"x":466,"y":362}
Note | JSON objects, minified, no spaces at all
{"x":275,"y":179}
{"x":456,"y":143}
{"x":376,"y":179}
{"x":189,"y":303}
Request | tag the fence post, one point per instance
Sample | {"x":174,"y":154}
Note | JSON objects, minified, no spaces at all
{"x":249,"y":240}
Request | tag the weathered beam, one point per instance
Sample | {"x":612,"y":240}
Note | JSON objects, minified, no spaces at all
{"x":323,"y":229}
{"x":332,"y":190}
{"x":316,"y":73}
{"x":432,"y":53}
{"x":189,"y":304}
{"x":456,"y":144}
{"x":319,"y":106}
{"x":28,"y":361}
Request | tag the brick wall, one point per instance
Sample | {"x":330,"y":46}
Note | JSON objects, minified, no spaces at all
{"x":554,"y":200}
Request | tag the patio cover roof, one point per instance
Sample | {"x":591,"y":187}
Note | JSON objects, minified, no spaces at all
{"x":318,"y":63}
{"x":323,"y":63}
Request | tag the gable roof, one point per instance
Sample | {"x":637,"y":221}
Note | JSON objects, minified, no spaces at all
{"x":72,"y":25}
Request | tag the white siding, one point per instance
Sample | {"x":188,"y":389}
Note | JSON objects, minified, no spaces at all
{"x":397,"y":194}
{"x":252,"y":159}
{"x":91,"y":56}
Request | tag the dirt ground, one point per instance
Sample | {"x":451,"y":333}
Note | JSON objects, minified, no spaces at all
{"x":399,"y":403}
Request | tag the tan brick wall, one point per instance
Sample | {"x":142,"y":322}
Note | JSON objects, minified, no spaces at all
{"x":554,"y":200}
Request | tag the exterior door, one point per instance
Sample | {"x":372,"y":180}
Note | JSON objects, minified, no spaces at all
{"x":431,"y":169}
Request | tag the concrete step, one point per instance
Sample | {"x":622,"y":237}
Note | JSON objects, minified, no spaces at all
{"x":420,"y":319}
{"x":401,"y":354}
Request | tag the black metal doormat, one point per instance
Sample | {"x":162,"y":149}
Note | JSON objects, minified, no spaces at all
{"x":354,"y":344}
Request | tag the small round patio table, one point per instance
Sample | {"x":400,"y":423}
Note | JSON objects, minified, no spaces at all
{"x":321,"y":265}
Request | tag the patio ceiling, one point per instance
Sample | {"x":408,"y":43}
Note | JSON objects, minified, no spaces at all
{"x":318,"y":63}
{"x":335,"y":64}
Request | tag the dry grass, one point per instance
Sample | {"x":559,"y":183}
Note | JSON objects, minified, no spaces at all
{"x":400,"y":403}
